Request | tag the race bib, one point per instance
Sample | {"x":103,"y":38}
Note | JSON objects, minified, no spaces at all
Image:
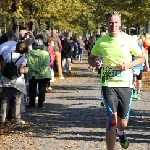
{"x":115,"y":77}
{"x":118,"y":74}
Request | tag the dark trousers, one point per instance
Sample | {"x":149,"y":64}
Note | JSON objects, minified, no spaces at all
{"x":99,"y":71}
{"x":42,"y":83}
{"x":10,"y":107}
{"x":7,"y":92}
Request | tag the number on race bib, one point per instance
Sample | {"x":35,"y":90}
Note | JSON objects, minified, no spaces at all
{"x":115,"y":73}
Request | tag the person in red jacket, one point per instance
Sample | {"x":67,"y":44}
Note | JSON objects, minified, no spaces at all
{"x":146,"y":45}
{"x":52,"y":57}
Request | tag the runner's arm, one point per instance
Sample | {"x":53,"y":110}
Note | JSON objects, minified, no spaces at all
{"x":95,"y":52}
{"x":140,"y":60}
{"x":140,"y":55}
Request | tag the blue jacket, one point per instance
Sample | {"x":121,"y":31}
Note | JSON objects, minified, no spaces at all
{"x":140,"y":67}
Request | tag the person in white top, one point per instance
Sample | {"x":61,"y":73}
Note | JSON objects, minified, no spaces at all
{"x":16,"y":85}
{"x":8,"y":46}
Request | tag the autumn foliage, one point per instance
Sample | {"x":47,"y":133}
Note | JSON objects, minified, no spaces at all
{"x":75,"y":15}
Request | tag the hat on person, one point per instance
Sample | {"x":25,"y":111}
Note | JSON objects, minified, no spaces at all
{"x":38,"y":42}
{"x":62,"y":37}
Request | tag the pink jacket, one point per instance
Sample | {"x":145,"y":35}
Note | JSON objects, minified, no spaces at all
{"x":52,"y":54}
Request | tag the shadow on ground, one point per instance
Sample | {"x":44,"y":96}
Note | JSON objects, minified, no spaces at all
{"x":48,"y":121}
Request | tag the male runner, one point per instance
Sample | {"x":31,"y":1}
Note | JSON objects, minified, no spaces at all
{"x":117,"y":49}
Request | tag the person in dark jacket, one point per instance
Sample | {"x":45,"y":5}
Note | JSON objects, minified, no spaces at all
{"x":66,"y":55}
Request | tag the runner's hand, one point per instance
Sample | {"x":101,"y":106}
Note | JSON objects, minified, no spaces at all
{"x":98,"y":64}
{"x":124,"y":65}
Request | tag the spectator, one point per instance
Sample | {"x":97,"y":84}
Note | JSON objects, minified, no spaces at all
{"x":16,"y":85}
{"x":66,"y":55}
{"x":39,"y":72}
{"x":146,"y":45}
{"x":81,"y":48}
{"x":27,"y":37}
{"x":57,"y":50}
{"x":76,"y":49}
{"x":8,"y":46}
{"x":52,"y":56}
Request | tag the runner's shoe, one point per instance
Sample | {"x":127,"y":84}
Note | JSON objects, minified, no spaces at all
{"x":134,"y":94}
{"x":123,"y":141}
{"x":138,"y":96}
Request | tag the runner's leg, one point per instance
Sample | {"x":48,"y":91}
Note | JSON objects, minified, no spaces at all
{"x":125,"y":96}
{"x":110,"y":101}
{"x":111,"y":134}
{"x":139,"y":84}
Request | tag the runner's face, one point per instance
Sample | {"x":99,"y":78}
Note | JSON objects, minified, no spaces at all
{"x":113,"y":24}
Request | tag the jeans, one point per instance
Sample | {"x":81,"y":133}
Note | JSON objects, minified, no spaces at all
{"x":72,"y":55}
{"x":76,"y":56}
{"x":66,"y":63}
{"x":42,"y":83}
{"x":80,"y":55}
{"x":11,"y":106}
{"x":48,"y":83}
{"x":52,"y":73}
{"x":5,"y":102}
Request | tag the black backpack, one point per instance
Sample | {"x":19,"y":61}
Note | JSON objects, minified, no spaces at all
{"x":10,"y":69}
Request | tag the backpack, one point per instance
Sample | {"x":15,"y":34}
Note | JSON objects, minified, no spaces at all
{"x":10,"y":69}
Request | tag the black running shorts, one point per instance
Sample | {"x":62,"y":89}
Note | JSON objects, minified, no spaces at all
{"x":117,"y":99}
{"x":138,"y":77}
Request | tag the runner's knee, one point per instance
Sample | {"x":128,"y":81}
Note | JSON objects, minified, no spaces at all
{"x":122,"y":124}
{"x":113,"y":120}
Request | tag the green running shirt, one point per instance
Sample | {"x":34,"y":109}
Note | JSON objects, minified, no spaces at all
{"x":114,"y":50}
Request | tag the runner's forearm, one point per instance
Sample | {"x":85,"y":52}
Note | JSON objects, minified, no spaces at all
{"x":137,"y":62}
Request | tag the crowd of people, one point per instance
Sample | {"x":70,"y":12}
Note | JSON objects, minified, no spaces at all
{"x":37,"y":55}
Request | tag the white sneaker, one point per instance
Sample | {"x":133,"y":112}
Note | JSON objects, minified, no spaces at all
{"x":61,"y":78}
{"x":49,"y":88}
{"x":52,"y":80}
{"x":37,"y":98}
{"x":19,"y":122}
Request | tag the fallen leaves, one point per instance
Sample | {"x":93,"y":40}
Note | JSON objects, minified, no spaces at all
{"x":77,"y":89}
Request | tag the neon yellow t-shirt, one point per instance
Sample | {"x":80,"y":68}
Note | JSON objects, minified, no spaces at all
{"x":115,"y":50}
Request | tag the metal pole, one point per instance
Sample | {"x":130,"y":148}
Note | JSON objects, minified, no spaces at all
{"x":33,"y":26}
{"x":5,"y":24}
{"x":24,"y":24}
{"x":17,"y":27}
{"x":148,"y":27}
{"x":137,"y":30}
